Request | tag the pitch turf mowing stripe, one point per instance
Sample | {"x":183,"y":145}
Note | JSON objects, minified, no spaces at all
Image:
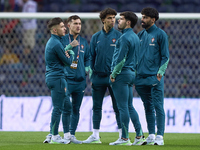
{"x":33,"y":140}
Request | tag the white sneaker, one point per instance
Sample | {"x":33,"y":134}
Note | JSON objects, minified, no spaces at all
{"x":150,"y":139}
{"x":92,"y":139}
{"x":121,"y":142}
{"x":140,"y":141}
{"x":74,"y":140}
{"x":159,"y":140}
{"x":48,"y":138}
{"x":58,"y":140}
{"x":114,"y":143}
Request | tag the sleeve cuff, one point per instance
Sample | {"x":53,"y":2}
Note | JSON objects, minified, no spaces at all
{"x":68,"y":47}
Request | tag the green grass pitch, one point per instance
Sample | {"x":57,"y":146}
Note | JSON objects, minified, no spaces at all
{"x":33,"y":141}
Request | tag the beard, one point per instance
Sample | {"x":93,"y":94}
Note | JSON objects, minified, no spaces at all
{"x":144,"y":25}
{"x":121,"y":27}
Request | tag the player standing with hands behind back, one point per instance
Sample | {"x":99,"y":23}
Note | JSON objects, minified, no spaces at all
{"x":123,"y":77}
{"x":153,"y":61}
{"x":56,"y":60}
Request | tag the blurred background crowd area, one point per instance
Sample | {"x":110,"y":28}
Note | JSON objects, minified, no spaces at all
{"x":98,"y":5}
{"x":22,"y":64}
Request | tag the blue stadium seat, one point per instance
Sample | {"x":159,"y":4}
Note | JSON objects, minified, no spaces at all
{"x":71,"y":8}
{"x":155,"y":2}
{"x":10,"y":89}
{"x":131,"y":1}
{"x":118,"y":2}
{"x":166,"y":8}
{"x":176,"y":2}
{"x":99,"y":2}
{"x":135,"y":7}
{"x":46,"y":2}
{"x":196,"y":2}
{"x":90,"y":8}
{"x":186,"y":8}
{"x":113,"y":6}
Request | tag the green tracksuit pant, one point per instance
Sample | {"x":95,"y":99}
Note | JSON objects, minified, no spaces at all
{"x":152,"y":95}
{"x":123,"y":91}
{"x":61,"y":102}
{"x":99,"y":87}
{"x":77,"y":92}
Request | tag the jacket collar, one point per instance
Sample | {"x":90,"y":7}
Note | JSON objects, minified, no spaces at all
{"x":153,"y":27}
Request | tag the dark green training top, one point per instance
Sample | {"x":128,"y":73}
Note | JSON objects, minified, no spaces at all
{"x":55,"y":58}
{"x":102,"y":46}
{"x":126,"y":51}
{"x":153,"y":53}
{"x":81,"y":53}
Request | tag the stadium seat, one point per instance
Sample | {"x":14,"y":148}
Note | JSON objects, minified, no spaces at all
{"x":176,"y":2}
{"x":117,"y":2}
{"x":166,"y":8}
{"x":90,"y":8}
{"x":98,"y":2}
{"x":196,"y":2}
{"x":71,"y":8}
{"x":113,"y":6}
{"x":186,"y":8}
{"x":135,"y":7}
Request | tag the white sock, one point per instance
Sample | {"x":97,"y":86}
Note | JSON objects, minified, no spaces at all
{"x":67,"y":135}
{"x":120,"y":132}
{"x":54,"y":136}
{"x":152,"y":136}
{"x":96,"y":133}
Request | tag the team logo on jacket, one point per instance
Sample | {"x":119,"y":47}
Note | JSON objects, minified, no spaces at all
{"x":65,"y":89}
{"x":113,"y":40}
{"x":82,"y":46}
{"x":152,"y":40}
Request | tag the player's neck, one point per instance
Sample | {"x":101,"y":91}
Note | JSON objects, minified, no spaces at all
{"x":74,"y":35}
{"x":149,"y":27}
{"x":107,"y":28}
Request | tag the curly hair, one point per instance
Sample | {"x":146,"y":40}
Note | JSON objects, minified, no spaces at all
{"x":151,"y":12}
{"x":107,"y":11}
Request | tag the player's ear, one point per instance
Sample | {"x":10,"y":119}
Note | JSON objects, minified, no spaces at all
{"x":54,"y":30}
{"x":153,"y":20}
{"x":102,"y":20}
{"x":128,"y":22}
{"x":68,"y":25}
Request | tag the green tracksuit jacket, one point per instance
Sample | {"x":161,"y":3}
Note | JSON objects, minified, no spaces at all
{"x":154,"y":52}
{"x":79,"y":74}
{"x":125,"y":58}
{"x":102,"y":47}
{"x":55,"y":58}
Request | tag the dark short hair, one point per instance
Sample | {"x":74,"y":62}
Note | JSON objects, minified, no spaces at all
{"x":128,"y":15}
{"x":73,"y":17}
{"x":151,"y":12}
{"x":107,"y":11}
{"x":53,"y":22}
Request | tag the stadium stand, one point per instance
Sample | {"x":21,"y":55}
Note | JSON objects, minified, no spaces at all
{"x":182,"y":76}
